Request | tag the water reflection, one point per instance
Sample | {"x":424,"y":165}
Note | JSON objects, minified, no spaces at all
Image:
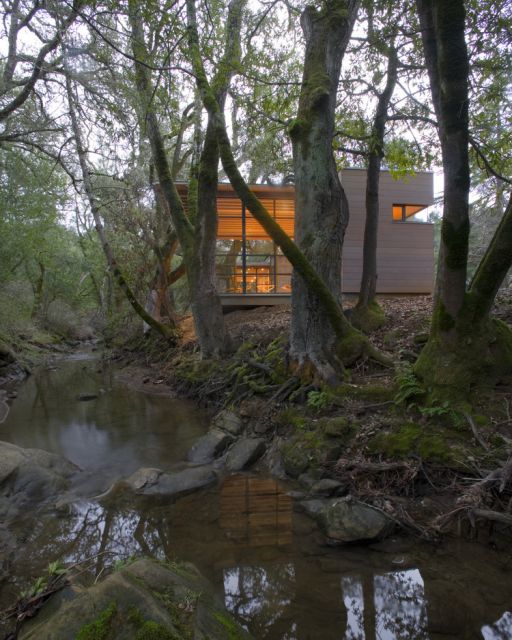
{"x":285,"y":592}
{"x":255,"y":512}
{"x":393,"y":605}
{"x":500,"y":630}
{"x":113,"y":434}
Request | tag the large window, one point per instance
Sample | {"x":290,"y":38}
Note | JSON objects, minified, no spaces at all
{"x":248,"y":261}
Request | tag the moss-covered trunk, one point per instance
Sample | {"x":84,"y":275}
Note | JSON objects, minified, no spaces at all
{"x":321,"y":207}
{"x":197,"y":234}
{"x":442,"y":26}
{"x":465,"y":346}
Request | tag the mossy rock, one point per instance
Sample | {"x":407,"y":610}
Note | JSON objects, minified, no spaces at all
{"x":310,"y":448}
{"x":339,"y":427}
{"x":296,"y":459}
{"x":146,"y":600}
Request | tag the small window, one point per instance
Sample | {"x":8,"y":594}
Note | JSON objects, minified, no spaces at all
{"x":407,"y":212}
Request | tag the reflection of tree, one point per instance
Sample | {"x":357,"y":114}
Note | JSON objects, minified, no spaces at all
{"x":259,"y":596}
{"x":500,"y":630}
{"x":390,"y":606}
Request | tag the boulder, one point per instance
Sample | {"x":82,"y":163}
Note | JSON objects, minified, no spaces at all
{"x":347,"y":520}
{"x":145,"y":599}
{"x":156,"y":483}
{"x":244,"y":453}
{"x":30,"y":476}
{"x":210,"y":446}
{"x":229,"y":422}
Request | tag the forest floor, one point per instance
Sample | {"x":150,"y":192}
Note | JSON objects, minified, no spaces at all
{"x":434,"y":469}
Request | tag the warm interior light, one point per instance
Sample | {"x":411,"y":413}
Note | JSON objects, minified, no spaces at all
{"x":403,"y":211}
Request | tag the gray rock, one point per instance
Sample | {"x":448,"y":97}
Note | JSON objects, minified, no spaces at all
{"x":229,"y":422}
{"x":210,"y":446}
{"x":347,"y":520}
{"x":30,"y":476}
{"x":154,"y":482}
{"x":244,"y":453}
{"x":306,"y":480}
{"x":328,"y":487}
{"x":145,"y":599}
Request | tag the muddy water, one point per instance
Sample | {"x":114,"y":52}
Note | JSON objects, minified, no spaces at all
{"x":265,"y":558}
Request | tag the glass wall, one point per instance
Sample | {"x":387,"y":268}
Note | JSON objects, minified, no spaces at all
{"x":248,"y":261}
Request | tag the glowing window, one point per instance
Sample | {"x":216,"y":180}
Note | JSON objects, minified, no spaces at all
{"x":402,"y":212}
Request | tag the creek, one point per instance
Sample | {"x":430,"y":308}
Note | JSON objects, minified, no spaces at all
{"x":267,"y":560}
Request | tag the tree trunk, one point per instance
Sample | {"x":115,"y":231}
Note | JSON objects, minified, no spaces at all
{"x":204,"y":299}
{"x":367,"y":315}
{"x":195,"y":235}
{"x":465,"y":346}
{"x":321,"y":207}
{"x":442,"y":27}
{"x":166,"y":332}
{"x":37,"y":305}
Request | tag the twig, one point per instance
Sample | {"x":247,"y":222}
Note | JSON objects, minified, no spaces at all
{"x":476,"y":435}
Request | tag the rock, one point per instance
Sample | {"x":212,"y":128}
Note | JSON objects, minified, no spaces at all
{"x":30,"y":476}
{"x":144,"y":478}
{"x":328,"y":487}
{"x":157,"y":483}
{"x":295,"y":459}
{"x":347,"y":520}
{"x":210,"y":446}
{"x":274,"y":459}
{"x":145,"y":599}
{"x":229,"y":422}
{"x":307,"y":480}
{"x":244,"y":453}
{"x":84,"y":397}
{"x":338,"y":427}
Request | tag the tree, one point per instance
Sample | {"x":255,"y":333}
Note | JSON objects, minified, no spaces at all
{"x":348,"y":343}
{"x":164,"y":330}
{"x":465,"y":345}
{"x":196,"y":231}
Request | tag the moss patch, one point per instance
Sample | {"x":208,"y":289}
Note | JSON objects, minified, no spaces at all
{"x":99,"y":629}
{"x":319,"y":443}
{"x":231,"y":627}
{"x":418,"y":440}
{"x":368,"y":318}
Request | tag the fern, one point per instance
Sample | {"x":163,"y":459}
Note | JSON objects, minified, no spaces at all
{"x":409,"y":387}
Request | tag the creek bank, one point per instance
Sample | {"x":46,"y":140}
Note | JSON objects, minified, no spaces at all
{"x":144,"y":600}
{"x":373,"y":434}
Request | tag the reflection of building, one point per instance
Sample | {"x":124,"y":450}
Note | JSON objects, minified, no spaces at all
{"x":255,"y":512}
{"x":251,"y":269}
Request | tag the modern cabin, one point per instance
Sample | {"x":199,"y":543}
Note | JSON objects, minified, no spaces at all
{"x":251,"y":269}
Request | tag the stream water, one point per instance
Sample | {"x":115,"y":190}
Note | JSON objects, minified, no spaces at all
{"x":265,"y":559}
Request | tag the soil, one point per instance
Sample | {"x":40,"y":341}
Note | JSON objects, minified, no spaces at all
{"x":434,"y":469}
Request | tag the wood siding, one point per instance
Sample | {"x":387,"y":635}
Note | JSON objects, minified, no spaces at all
{"x":405,"y":255}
